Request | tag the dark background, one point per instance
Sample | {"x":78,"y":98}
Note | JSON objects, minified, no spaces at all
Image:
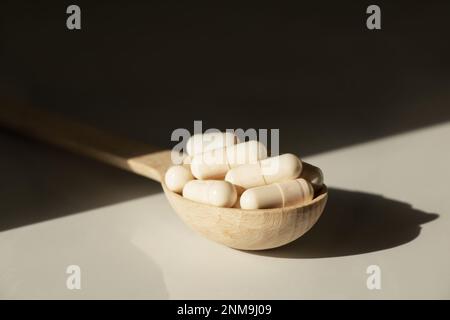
{"x":143,"y":69}
{"x":314,"y":70}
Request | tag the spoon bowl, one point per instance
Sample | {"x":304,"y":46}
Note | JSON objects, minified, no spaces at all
{"x":233,"y":227}
{"x":248,"y":229}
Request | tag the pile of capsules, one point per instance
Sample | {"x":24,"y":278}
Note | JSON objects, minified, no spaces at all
{"x":220,"y":171}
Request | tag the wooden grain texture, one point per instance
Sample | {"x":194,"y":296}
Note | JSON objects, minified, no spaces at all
{"x":249,"y":229}
{"x":233,"y":227}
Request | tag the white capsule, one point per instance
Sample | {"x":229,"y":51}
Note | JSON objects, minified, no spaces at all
{"x":267,"y":171}
{"x":278,"y":195}
{"x":176,"y":177}
{"x":200,"y":143}
{"x":213,"y":192}
{"x":180,"y":158}
{"x":215,"y":164}
{"x":313,"y":175}
{"x":187,"y":159}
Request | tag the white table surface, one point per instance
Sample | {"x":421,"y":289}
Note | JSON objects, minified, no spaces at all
{"x":389,"y":205}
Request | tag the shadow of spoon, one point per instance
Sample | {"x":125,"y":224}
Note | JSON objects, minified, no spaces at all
{"x":356,"y":223}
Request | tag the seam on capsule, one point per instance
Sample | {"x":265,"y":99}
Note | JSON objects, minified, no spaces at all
{"x":307,"y":189}
{"x":311,"y":190}
{"x":302,"y":190}
{"x":227,"y":160}
{"x":263,"y":176}
{"x":207,"y":196}
{"x":282,"y":194}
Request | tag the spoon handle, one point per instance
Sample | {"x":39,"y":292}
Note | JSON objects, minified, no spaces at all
{"x":82,"y":139}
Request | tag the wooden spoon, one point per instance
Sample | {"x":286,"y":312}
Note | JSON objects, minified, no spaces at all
{"x":236,"y":228}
